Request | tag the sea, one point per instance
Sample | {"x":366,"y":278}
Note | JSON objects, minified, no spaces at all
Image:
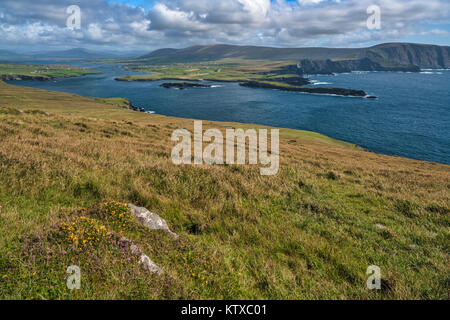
{"x":409,"y":118}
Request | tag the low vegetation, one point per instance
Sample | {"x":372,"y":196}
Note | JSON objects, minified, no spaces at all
{"x":15,"y":71}
{"x":69,"y":164}
{"x":232,"y":70}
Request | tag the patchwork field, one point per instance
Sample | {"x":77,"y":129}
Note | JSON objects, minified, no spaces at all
{"x":68,"y":164}
{"x":41,"y":72}
{"x":223,"y":70}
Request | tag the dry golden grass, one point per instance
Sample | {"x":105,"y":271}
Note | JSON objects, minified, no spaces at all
{"x":309,"y":232}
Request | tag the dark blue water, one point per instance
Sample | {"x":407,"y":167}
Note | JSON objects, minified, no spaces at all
{"x":410,"y":118}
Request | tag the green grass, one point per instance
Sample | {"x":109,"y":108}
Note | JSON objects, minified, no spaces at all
{"x":279,"y":84}
{"x":45,"y":72}
{"x":309,"y":232}
{"x":223,"y":70}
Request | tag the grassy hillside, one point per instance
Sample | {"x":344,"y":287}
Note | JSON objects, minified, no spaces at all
{"x":222,"y":51}
{"x":12,"y":71}
{"x":309,"y":232}
{"x":387,"y":54}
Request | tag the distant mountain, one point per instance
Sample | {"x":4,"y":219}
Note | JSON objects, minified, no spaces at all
{"x":76,"y":53}
{"x":6,"y":55}
{"x":397,"y":55}
{"x":222,"y":51}
{"x":160,"y":53}
{"x":71,"y":54}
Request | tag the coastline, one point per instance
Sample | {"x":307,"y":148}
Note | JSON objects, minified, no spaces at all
{"x":126,"y":104}
{"x":423,"y":154}
{"x":263,"y":84}
{"x":326,"y":194}
{"x":20,"y":77}
{"x":318,"y":90}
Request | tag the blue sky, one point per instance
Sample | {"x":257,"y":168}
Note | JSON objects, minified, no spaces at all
{"x":144,"y":25}
{"x":147,"y":4}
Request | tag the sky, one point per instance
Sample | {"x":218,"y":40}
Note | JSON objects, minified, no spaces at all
{"x":146,"y":25}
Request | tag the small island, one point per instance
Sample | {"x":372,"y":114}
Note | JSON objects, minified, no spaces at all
{"x":314,"y":90}
{"x":184,"y":85}
{"x":279,"y":75}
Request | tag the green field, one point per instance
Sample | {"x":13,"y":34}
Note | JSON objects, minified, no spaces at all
{"x":309,"y":232}
{"x":233,"y":70}
{"x":41,"y":72}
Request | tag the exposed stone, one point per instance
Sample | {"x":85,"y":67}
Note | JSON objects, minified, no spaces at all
{"x":150,"y":266}
{"x":380,"y":226}
{"x":151,"y":220}
{"x":144,"y":260}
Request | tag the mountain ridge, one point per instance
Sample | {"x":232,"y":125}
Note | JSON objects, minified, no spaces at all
{"x":386,"y":54}
{"x":75,"y":53}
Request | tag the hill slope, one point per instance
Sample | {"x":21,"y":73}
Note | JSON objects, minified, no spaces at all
{"x":6,"y":55}
{"x":421,"y":55}
{"x":309,"y":232}
{"x":76,"y":53}
{"x":222,"y":51}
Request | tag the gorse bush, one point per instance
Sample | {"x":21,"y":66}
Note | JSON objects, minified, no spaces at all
{"x":83,"y":232}
{"x":98,"y":240}
{"x":119,"y":214}
{"x":116,"y":214}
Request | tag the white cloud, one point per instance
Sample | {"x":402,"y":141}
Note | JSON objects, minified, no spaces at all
{"x":179,"y":23}
{"x":309,"y":2}
{"x":257,"y":9}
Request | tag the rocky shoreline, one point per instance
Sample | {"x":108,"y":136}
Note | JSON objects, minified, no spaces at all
{"x":125,"y":79}
{"x":308,"y":67}
{"x":128,"y":105}
{"x":319,"y":90}
{"x":18,"y":77}
{"x":184,"y":85}
{"x":7,"y":77}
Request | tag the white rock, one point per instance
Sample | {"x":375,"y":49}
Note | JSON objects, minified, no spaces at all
{"x":150,"y":266}
{"x":151,"y":220}
{"x":380,"y":226}
{"x":144,"y":260}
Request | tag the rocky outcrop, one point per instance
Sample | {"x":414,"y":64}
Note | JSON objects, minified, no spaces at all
{"x":129,"y":247}
{"x":8,"y":77}
{"x":294,"y":81}
{"x":184,"y":85}
{"x":137,"y":79}
{"x":343,"y":66}
{"x":387,"y":54}
{"x":398,"y":57}
{"x":316,"y":90}
{"x":128,"y":105}
{"x":151,"y":220}
{"x":150,"y":266}
{"x":421,"y":55}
